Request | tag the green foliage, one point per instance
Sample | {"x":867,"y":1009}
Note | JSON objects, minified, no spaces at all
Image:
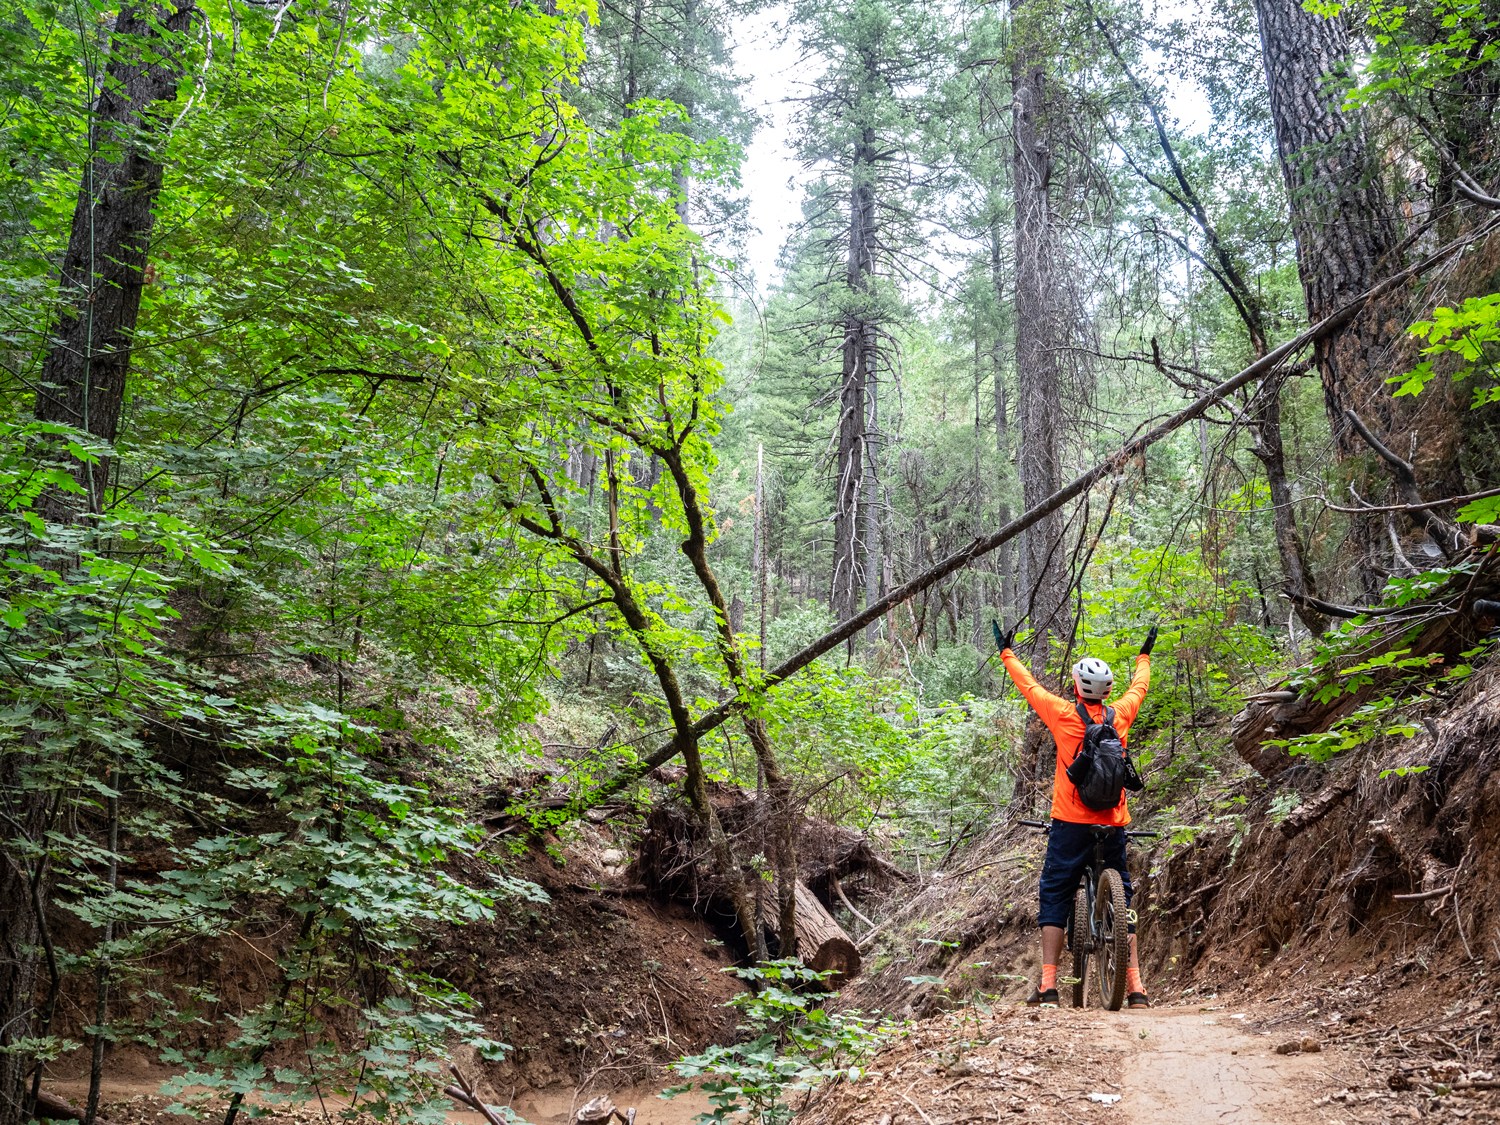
{"x":1470,"y":335}
{"x":1208,"y":653}
{"x":362,"y":873}
{"x":1368,"y":653}
{"x":794,"y":1045}
{"x":1420,"y":49}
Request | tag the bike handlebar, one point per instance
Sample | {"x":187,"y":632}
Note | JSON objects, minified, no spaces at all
{"x":1045,"y":826}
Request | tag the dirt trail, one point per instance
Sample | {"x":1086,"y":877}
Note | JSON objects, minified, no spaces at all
{"x":1186,"y":1065}
{"x":1159,"y":1067}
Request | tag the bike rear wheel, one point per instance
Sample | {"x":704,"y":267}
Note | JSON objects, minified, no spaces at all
{"x":1111,"y":939}
{"x":1078,"y":942}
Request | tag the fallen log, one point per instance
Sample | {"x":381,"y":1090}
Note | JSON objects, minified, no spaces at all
{"x":673,"y":861}
{"x":822,"y":944}
{"x":54,"y":1108}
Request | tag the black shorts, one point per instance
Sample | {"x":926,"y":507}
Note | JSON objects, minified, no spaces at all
{"x":1069,"y":847}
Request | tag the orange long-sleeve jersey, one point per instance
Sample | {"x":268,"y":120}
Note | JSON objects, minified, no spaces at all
{"x":1061,"y":718}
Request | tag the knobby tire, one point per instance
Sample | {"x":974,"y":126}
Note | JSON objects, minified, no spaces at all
{"x":1078,"y":942}
{"x":1111,"y":939}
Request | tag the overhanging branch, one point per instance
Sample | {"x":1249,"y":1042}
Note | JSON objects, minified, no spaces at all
{"x":1272,"y":361}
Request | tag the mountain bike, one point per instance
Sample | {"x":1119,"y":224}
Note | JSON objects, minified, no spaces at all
{"x":1098,"y":927}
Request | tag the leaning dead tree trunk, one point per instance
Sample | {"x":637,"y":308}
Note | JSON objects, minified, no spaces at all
{"x":1271,"y":362}
{"x":82,"y":385}
{"x":1264,"y":414}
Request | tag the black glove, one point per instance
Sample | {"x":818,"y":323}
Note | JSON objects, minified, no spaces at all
{"x":1149,"y":642}
{"x":1003,"y":638}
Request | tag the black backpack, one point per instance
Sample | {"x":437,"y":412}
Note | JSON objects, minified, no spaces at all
{"x":1102,"y":769}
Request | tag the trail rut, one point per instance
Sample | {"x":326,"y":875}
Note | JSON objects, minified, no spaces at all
{"x":1189,"y":1066}
{"x":1159,"y":1067}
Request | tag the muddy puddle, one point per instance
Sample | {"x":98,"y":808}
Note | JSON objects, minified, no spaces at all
{"x":555,"y":1107}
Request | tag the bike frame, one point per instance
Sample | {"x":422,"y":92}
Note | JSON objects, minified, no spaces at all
{"x":1091,"y":942}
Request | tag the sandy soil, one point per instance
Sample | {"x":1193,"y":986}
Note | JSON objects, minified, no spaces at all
{"x":1189,"y":1066}
{"x":1178,"y":1065}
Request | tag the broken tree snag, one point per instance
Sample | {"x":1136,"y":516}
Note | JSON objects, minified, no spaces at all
{"x":822,"y":944}
{"x":673,"y":861}
{"x":1453,"y":619}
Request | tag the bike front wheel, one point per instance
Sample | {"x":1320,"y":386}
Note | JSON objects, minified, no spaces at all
{"x":1111,"y":939}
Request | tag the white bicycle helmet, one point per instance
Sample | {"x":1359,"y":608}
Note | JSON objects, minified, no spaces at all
{"x":1093,"y":679}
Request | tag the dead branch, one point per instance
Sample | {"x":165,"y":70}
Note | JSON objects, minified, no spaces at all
{"x":1444,"y":502}
{"x":463,"y":1094}
{"x":1419,"y":896}
{"x":1443,"y":533}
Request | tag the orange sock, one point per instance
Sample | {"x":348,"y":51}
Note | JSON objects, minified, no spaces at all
{"x":1049,"y":977}
{"x":1133,"y":981}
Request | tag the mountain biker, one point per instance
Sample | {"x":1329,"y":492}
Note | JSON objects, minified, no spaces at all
{"x":1069,"y":842}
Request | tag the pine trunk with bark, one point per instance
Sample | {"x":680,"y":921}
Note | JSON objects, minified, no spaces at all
{"x":1005,"y":561}
{"x":1347,"y":240}
{"x":103,"y":270}
{"x":1038,"y":296}
{"x":852,"y":517}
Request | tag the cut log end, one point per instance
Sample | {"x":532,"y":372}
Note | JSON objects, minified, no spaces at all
{"x":822,"y":943}
{"x":838,"y":956}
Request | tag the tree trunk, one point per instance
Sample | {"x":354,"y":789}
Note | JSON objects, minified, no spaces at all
{"x":82,"y":384}
{"x":1347,"y":236}
{"x":1038,"y":343}
{"x":103,"y":270}
{"x":1006,"y":562}
{"x":858,"y":353}
{"x":869,"y":514}
{"x":1043,"y":592}
{"x":822,"y":942}
{"x":1343,"y":224}
{"x":1265,"y":424}
{"x":1264,"y":416}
